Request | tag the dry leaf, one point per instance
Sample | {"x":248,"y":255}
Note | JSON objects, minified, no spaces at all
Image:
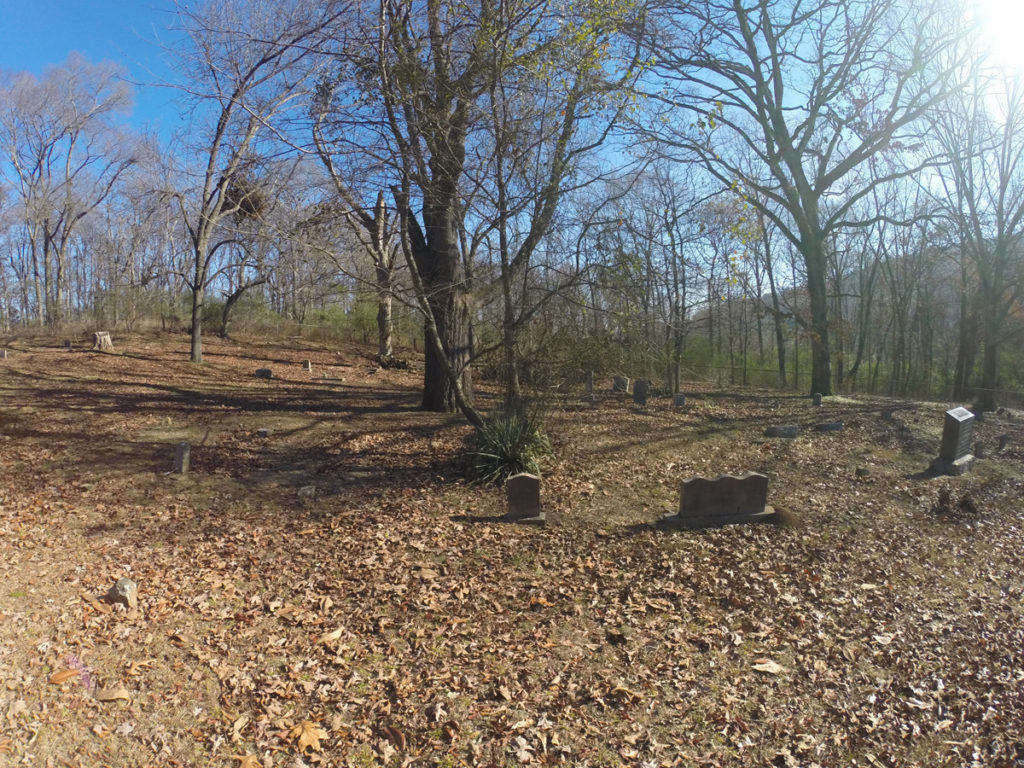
{"x":113,"y":694}
{"x":64,"y":675}
{"x":395,"y":736}
{"x":308,"y":735}
{"x":330,"y":637}
{"x":6,"y":746}
{"x":769,"y":666}
{"x":237,"y":727}
{"x":247,"y":761}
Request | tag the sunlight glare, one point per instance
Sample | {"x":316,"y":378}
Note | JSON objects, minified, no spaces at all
{"x":1003,"y":30}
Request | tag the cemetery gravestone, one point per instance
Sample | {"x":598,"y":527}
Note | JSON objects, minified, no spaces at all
{"x":523,"y":492}
{"x":125,"y":592}
{"x":817,"y":399}
{"x":264,"y":373}
{"x":724,"y":500}
{"x":640,"y":387}
{"x":955,"y":456}
{"x":307,"y":365}
{"x":182,"y":454}
{"x":783,"y":430}
{"x":590,"y":383}
{"x":67,"y":344}
{"x":620,"y":384}
{"x":679,"y":399}
{"x":3,"y":354}
{"x":829,"y":426}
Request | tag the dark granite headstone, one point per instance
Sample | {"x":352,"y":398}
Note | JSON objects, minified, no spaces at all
{"x":640,"y":387}
{"x":523,"y":492}
{"x":679,"y":399}
{"x":783,"y":430}
{"x":264,"y":373}
{"x":307,"y":365}
{"x":620,"y":384}
{"x":590,"y":383}
{"x":816,"y":397}
{"x":723,"y":500}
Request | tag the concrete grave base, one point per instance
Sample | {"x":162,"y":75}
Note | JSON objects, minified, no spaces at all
{"x":692,"y":522}
{"x":941,"y":466}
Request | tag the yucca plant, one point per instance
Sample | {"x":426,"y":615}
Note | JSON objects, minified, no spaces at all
{"x":510,"y":441}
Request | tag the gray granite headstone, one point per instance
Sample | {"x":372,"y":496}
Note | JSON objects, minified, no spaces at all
{"x":679,"y":399}
{"x":955,"y":456}
{"x":523,"y":492}
{"x":182,"y":453}
{"x":640,"y":387}
{"x":307,"y":365}
{"x":783,"y":430}
{"x":722,"y":500}
{"x":620,"y":384}
{"x":817,"y":399}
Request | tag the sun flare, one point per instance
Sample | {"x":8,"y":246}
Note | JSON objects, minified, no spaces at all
{"x":1002,"y":25}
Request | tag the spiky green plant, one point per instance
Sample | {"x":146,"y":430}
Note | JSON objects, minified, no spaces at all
{"x":510,"y":441}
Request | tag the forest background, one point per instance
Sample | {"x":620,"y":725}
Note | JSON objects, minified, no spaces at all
{"x":822,"y":196}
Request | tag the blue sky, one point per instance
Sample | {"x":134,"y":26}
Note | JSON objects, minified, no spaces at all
{"x":38,"y":33}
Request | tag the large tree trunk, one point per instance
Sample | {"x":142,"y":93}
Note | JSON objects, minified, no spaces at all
{"x":439,"y":264}
{"x":197,"y":324}
{"x":821,"y":357}
{"x":385,"y":324}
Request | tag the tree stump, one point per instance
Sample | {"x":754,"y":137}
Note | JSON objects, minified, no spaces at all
{"x":101,"y":342}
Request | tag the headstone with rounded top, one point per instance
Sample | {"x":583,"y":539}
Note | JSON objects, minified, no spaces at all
{"x":523,"y":492}
{"x":640,"y":388}
{"x":264,"y":373}
{"x":816,"y":397}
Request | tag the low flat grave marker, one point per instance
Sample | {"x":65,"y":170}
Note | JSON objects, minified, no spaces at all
{"x":640,"y":387}
{"x":955,"y":456}
{"x":783,"y":430}
{"x":724,"y":500}
{"x":264,"y":373}
{"x":523,"y":492}
{"x":829,"y":426}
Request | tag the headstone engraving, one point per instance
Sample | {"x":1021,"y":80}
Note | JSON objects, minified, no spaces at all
{"x":640,"y":387}
{"x":817,"y":399}
{"x":955,"y":456}
{"x":264,"y":373}
{"x":679,"y":399}
{"x":620,"y":384}
{"x":783,"y":430}
{"x":182,"y":453}
{"x":724,"y":500}
{"x":307,"y":365}
{"x":523,"y":492}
